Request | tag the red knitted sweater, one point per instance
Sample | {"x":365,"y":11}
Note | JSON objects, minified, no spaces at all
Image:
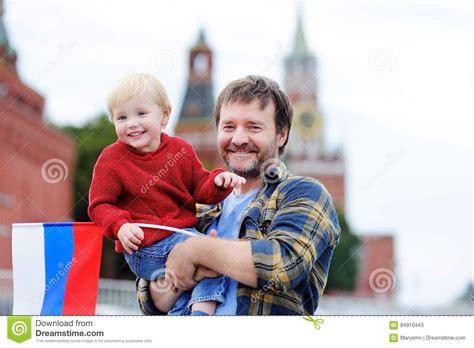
{"x":159,"y":187}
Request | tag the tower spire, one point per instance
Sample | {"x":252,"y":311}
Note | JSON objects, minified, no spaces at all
{"x":201,"y":42}
{"x":3,"y":33}
{"x":300,"y":49}
{"x":195,"y":122}
{"x":300,"y":84}
{"x":198,"y":103}
{"x":300,"y":67}
{"x":7,"y":53}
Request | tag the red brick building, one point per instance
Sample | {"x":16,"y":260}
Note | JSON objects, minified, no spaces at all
{"x":377,"y":267}
{"x":36,"y":161}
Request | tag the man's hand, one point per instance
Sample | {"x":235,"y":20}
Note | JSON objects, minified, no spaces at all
{"x":182,"y":270}
{"x":130,"y":236}
{"x":181,"y":267}
{"x":216,"y":254}
{"x":226,"y":179}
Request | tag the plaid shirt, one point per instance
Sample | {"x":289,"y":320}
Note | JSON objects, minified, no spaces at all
{"x":293,"y":228}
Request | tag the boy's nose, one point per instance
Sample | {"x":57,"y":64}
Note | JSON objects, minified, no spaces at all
{"x":132,"y":124}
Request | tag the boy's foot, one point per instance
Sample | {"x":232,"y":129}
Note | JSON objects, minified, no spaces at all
{"x":207,"y":307}
{"x":162,"y":295}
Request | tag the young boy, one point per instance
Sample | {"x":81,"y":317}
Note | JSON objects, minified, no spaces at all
{"x":150,"y":177}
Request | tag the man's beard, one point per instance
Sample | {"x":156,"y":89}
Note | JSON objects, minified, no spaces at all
{"x":254,"y":170}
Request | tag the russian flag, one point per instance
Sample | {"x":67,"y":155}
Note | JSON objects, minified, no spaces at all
{"x":55,"y":268}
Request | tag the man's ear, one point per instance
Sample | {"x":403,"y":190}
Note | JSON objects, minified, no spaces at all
{"x":281,"y":137}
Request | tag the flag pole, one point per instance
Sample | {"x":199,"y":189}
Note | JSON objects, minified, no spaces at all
{"x":172,"y":229}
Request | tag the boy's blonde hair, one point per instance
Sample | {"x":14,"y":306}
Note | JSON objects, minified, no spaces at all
{"x":137,"y":84}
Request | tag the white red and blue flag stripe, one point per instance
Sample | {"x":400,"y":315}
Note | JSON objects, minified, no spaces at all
{"x":55,"y":268}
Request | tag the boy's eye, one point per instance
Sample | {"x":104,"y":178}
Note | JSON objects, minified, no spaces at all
{"x":141,"y":113}
{"x":120,"y":118}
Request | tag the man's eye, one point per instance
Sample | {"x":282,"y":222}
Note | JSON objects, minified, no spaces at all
{"x":255,"y":128}
{"x":228,"y":127}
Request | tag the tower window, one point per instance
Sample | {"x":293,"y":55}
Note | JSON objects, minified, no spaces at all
{"x":200,"y":64}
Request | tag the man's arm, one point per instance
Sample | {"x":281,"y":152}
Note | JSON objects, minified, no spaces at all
{"x":231,"y":258}
{"x":228,"y":257}
{"x":304,"y":225}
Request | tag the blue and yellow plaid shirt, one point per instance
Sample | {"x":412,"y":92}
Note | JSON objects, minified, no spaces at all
{"x":293,"y":229}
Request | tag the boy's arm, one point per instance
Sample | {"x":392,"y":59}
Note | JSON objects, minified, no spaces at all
{"x":103,"y":194}
{"x":203,"y":188}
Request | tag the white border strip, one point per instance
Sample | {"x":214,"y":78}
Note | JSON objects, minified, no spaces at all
{"x":29,"y":272}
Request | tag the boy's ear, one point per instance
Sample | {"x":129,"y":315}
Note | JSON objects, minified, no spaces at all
{"x":166,"y":116}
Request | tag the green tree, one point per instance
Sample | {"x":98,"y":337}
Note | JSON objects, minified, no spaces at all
{"x":345,"y":262}
{"x":468,"y":295}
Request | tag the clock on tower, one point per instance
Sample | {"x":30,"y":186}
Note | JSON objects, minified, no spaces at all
{"x":307,"y":120}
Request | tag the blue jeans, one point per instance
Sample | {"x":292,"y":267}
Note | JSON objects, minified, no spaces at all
{"x":150,"y":263}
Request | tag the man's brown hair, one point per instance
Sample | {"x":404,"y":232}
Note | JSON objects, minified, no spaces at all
{"x":252,"y":87}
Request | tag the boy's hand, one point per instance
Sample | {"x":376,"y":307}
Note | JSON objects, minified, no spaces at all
{"x":226,"y":179}
{"x":130,"y":236}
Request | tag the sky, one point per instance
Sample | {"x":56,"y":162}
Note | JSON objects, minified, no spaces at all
{"x":394,"y":82}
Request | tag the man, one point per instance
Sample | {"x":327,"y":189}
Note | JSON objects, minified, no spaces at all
{"x":286,"y":225}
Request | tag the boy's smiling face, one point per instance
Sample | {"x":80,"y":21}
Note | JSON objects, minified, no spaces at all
{"x":138,"y":122}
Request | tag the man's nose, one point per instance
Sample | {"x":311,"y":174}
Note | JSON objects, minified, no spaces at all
{"x":240,"y":137}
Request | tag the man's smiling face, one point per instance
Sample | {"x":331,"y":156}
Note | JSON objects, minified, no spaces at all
{"x":247,"y":137}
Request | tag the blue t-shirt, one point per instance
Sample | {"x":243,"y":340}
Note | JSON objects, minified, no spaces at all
{"x":227,"y":226}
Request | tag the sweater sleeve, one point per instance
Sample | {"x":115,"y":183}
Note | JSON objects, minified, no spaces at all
{"x":203,"y":188}
{"x":105,"y":189}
